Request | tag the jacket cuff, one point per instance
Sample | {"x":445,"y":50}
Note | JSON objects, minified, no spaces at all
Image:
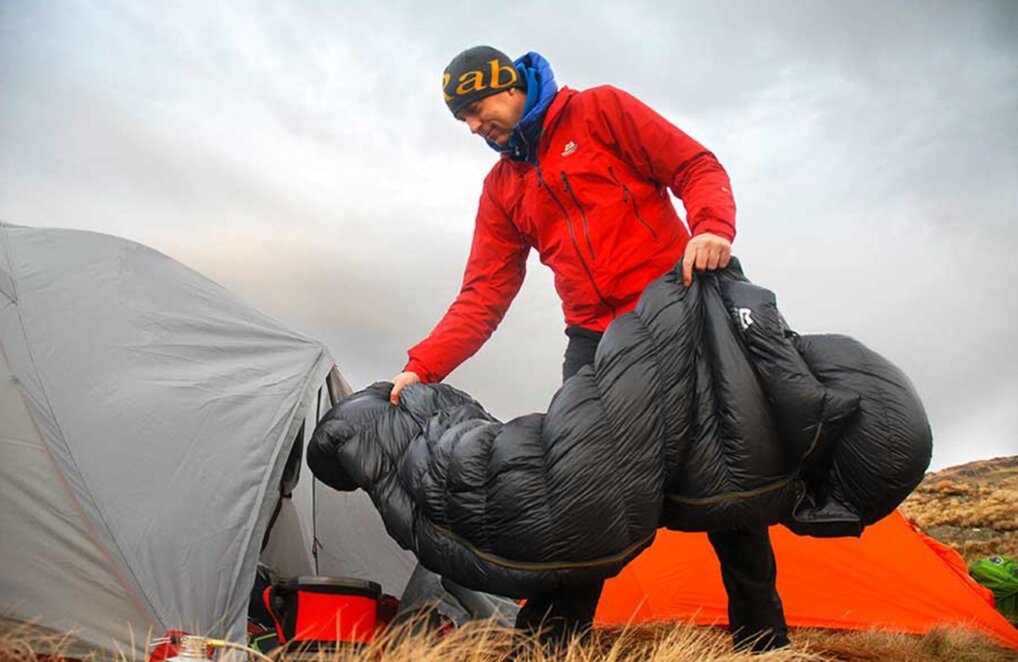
{"x":427,"y":377}
{"x":715,"y":226}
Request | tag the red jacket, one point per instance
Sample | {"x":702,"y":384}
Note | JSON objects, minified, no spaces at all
{"x":596,"y":208}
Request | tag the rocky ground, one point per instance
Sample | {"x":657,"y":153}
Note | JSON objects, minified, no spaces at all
{"x":972,"y":507}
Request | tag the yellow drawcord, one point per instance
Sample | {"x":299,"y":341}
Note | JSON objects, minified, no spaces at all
{"x":222,"y":643}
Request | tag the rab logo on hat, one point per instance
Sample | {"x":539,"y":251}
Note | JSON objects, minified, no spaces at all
{"x":477,"y":73}
{"x":475,"y":81}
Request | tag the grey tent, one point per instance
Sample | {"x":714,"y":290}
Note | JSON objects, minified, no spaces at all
{"x":146,"y":420}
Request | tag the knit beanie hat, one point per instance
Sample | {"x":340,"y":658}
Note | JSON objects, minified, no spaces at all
{"x":476,"y":73}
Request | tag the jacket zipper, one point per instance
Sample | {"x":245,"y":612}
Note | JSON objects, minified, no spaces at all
{"x":627,"y":196}
{"x":583,"y":215}
{"x":572,"y":236}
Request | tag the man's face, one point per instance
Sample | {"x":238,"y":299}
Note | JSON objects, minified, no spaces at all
{"x":494,"y":117}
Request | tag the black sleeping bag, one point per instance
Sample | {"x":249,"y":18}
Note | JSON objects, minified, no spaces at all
{"x":702,"y":411}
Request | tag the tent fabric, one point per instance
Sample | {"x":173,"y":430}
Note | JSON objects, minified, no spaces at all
{"x":151,"y":415}
{"x":890,"y":578}
{"x":42,"y":531}
{"x":352,"y":541}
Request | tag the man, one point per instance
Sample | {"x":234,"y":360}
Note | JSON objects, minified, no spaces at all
{"x":583,"y":178}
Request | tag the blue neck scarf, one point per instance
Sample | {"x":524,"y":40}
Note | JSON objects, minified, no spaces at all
{"x":541,"y":89}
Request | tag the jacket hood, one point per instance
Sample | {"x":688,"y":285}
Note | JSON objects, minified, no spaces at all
{"x":541,"y":91}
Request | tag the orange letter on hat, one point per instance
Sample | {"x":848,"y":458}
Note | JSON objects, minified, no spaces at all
{"x":475,"y":77}
{"x":496,"y":75}
{"x":445,"y":84}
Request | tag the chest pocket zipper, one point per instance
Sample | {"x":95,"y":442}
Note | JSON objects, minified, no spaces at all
{"x":627,"y":196}
{"x":572,"y":236}
{"x":583,"y":214}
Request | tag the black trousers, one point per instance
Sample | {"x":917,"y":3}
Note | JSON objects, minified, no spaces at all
{"x":748,"y":569}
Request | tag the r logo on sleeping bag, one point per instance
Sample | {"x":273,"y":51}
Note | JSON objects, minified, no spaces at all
{"x":745,"y":319}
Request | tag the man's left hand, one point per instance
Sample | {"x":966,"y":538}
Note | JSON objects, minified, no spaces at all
{"x":705,"y":252}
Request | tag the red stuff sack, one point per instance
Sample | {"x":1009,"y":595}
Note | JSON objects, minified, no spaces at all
{"x":323,"y":613}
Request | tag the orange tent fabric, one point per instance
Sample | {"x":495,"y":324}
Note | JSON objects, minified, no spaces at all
{"x":892,"y":578}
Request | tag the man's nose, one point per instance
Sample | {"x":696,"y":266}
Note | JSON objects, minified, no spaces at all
{"x":474,"y":124}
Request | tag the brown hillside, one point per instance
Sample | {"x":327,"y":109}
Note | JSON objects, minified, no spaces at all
{"x":972,"y":507}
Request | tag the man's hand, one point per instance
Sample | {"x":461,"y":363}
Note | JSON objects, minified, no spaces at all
{"x":401,"y":380}
{"x":705,"y":252}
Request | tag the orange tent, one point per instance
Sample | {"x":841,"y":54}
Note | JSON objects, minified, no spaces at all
{"x":892,"y":578}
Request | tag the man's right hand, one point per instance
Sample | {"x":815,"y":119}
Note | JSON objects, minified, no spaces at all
{"x":401,"y":380}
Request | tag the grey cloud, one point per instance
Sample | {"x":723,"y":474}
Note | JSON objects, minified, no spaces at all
{"x":300,"y":154}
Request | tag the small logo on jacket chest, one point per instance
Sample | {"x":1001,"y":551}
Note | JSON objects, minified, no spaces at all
{"x":569,"y":148}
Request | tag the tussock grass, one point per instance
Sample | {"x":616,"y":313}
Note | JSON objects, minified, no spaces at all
{"x":972,"y":507}
{"x":939,"y":645}
{"x":24,"y":643}
{"x":485,"y":642}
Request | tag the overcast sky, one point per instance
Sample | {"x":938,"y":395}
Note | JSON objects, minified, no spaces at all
{"x":300,"y":154}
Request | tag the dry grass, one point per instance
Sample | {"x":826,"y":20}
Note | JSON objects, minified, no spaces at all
{"x":653,"y":642}
{"x":947,"y":645}
{"x":951,"y":503}
{"x":972,"y":507}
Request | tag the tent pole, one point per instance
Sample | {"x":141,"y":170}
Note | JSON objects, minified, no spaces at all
{"x":314,"y":484}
